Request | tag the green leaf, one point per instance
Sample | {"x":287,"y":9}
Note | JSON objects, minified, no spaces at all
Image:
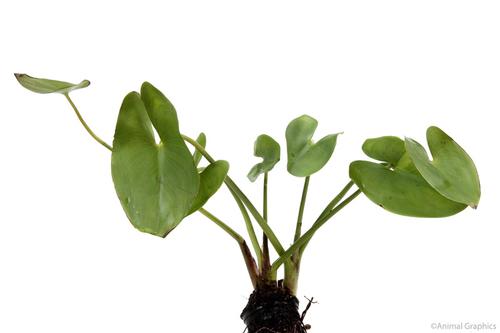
{"x":46,"y":86}
{"x":202,"y":140}
{"x":304,"y":156}
{"x":385,"y":148}
{"x":400,"y":191}
{"x":211,"y":179}
{"x":267,"y":148}
{"x":451,"y":172}
{"x":155,"y":182}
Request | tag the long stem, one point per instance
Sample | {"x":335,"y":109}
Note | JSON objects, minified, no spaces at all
{"x":309,"y":233}
{"x":92,"y":134}
{"x":266,"y":261}
{"x":298,"y":227}
{"x":255,"y":213}
{"x":247,"y":255}
{"x":236,"y":236}
{"x":241,"y":196}
{"x":328,"y":208}
{"x":250,"y":229}
{"x":336,"y":200}
{"x":241,"y":206}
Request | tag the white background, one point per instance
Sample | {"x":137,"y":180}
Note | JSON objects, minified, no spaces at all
{"x":71,"y":262}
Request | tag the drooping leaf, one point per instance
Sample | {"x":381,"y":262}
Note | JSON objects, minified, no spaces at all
{"x":155,"y":182}
{"x":267,"y":148}
{"x":451,"y":172}
{"x":211,"y":179}
{"x":401,"y":191}
{"x":304,"y":156}
{"x":202,"y":140}
{"x":46,"y":86}
{"x":385,"y":148}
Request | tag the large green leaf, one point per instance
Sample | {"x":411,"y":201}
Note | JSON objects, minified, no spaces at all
{"x":46,"y":86}
{"x":267,"y":148}
{"x":451,"y":172}
{"x":304,"y":156}
{"x":155,"y":182}
{"x":211,"y":179}
{"x":385,"y":148}
{"x":202,"y":140}
{"x":400,"y":191}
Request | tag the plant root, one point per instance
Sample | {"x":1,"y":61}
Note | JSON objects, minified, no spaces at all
{"x":273,"y":309}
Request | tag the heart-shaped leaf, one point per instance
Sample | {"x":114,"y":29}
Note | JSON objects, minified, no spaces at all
{"x":267,"y":148}
{"x":155,"y":182}
{"x":304,"y":156}
{"x":46,"y":86}
{"x":451,"y":172}
{"x":202,"y":140}
{"x":385,"y":148}
{"x":211,"y":179}
{"x":401,"y":191}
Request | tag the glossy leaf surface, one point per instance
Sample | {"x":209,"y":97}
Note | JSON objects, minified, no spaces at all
{"x":385,"y":148}
{"x":211,"y":179}
{"x":155,"y":182}
{"x":304,"y":156}
{"x":46,"y":86}
{"x":267,"y":148}
{"x":451,"y":171}
{"x":401,"y":191}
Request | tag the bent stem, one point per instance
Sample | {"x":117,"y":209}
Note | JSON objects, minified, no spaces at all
{"x":245,"y":251}
{"x":92,"y":134}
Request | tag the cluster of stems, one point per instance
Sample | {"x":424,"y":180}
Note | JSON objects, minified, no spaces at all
{"x":262,"y":270}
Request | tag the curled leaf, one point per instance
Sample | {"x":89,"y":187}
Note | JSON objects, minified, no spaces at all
{"x":202,"y":140}
{"x":451,"y":171}
{"x":211,"y":179}
{"x":401,"y":191}
{"x":46,"y":86}
{"x":155,"y":182}
{"x":385,"y":148}
{"x":267,"y":148}
{"x":304,"y":156}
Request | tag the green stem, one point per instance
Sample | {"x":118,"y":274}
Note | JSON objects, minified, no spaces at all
{"x":247,"y":255}
{"x":92,"y":134}
{"x":250,"y":229}
{"x":336,"y":200}
{"x":241,"y":206}
{"x":243,"y":198}
{"x":236,"y":236}
{"x":256,"y":215}
{"x":266,"y":261}
{"x":298,"y":227}
{"x":328,"y":208}
{"x":309,"y":233}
